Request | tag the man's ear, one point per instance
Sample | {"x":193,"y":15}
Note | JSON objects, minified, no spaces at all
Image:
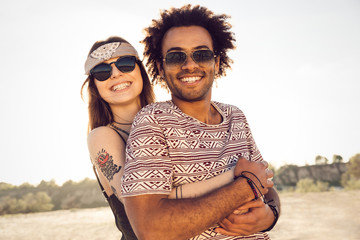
{"x":217,"y":64}
{"x":160,"y":69}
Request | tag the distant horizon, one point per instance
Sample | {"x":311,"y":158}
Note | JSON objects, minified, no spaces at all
{"x":94,"y":177}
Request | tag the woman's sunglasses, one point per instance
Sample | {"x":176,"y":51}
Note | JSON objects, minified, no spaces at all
{"x":178,"y":58}
{"x":103,"y":71}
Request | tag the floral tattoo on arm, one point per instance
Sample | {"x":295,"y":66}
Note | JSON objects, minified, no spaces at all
{"x":106,"y":164}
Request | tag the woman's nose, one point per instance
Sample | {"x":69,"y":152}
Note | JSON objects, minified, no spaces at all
{"x":115,"y":72}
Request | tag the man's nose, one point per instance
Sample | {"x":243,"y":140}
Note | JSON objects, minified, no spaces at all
{"x":189,"y":63}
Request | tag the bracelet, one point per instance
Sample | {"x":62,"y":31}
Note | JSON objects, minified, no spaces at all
{"x":251,"y":184}
{"x":178,"y":197}
{"x":276,"y":214}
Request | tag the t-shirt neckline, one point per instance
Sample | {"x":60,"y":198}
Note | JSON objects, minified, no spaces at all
{"x":194,"y":119}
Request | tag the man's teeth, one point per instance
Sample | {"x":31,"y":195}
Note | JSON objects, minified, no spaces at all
{"x":190,"y":79}
{"x":121,"y":86}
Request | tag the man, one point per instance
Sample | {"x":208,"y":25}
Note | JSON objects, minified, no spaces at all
{"x":191,"y":138}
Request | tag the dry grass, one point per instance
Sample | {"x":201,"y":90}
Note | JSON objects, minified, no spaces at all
{"x":318,"y":216}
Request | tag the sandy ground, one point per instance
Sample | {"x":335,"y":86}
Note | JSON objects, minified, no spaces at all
{"x":82,"y":224}
{"x":318,"y":216}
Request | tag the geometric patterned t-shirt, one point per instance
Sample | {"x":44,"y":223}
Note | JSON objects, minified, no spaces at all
{"x":167,"y":148}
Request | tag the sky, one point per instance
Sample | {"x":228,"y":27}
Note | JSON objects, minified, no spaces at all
{"x":296,"y":76}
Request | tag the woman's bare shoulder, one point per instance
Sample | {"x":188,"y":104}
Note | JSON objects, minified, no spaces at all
{"x":102,"y":133}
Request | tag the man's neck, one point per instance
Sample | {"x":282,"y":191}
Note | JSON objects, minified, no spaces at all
{"x":201,"y":110}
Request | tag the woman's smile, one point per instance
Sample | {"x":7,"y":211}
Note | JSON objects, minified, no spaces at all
{"x":121,"y":86}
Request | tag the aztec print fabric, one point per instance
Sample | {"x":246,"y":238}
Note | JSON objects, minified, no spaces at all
{"x":167,"y":148}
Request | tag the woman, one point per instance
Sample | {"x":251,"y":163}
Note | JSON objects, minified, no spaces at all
{"x":118,"y":87}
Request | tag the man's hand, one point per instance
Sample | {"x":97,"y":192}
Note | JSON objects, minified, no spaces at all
{"x":258,"y":217}
{"x":258,"y":169}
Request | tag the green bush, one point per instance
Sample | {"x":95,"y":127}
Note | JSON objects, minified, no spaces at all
{"x":38,"y":202}
{"x":308,"y":185}
{"x":354,"y":166}
{"x":350,"y":182}
{"x":322,"y":186}
{"x":11,"y":205}
{"x":351,"y":179}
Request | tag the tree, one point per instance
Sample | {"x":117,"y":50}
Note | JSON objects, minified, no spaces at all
{"x":354,"y":166}
{"x":38,"y":202}
{"x":68,"y":184}
{"x":6,"y":186}
{"x":321,"y":160}
{"x":47,"y":185}
{"x":26,"y":185}
{"x":351,"y":178}
{"x":10,"y":205}
{"x":337,"y":158}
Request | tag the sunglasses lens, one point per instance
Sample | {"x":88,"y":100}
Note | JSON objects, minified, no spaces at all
{"x":126,"y":64}
{"x":199,"y":56}
{"x":203,"y":56}
{"x":175,"y":58}
{"x":101,"y":72}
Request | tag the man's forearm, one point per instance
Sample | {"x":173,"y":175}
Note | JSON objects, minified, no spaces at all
{"x":163,"y":218}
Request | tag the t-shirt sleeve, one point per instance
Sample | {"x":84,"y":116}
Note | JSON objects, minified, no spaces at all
{"x":252,"y":152}
{"x":255,"y":154}
{"x":148,"y":169}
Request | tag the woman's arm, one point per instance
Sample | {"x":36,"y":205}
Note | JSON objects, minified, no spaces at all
{"x":107,"y":153}
{"x":198,"y":189}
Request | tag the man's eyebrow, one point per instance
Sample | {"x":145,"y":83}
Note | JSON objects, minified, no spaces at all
{"x":201,"y":47}
{"x":181,"y":49}
{"x":174,"y":49}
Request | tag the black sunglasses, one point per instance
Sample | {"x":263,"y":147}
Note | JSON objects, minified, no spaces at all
{"x":179,"y":57}
{"x":103,"y":71}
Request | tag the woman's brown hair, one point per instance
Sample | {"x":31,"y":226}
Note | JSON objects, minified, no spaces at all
{"x":100,"y":113}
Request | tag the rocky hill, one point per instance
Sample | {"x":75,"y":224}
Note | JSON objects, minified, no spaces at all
{"x":289,"y":175}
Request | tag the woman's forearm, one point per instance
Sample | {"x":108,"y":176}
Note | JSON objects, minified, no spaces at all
{"x":200,"y":188}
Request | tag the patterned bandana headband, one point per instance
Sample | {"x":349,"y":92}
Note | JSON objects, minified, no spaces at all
{"x":108,"y":51}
